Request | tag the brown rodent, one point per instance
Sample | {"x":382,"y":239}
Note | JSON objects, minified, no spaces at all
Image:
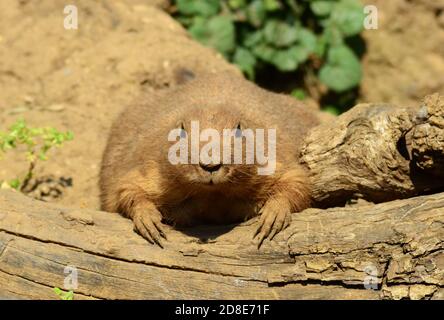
{"x":138,"y":180}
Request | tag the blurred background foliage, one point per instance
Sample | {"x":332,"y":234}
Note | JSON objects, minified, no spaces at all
{"x":303,"y":47}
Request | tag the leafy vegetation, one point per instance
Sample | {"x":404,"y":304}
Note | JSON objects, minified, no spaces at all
{"x":310,"y":36}
{"x":34,"y":143}
{"x":64,"y":295}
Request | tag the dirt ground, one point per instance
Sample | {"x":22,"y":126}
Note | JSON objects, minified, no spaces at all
{"x":79,"y":80}
{"x":405,"y":56}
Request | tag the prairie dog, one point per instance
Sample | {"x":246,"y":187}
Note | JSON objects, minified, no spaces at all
{"x":138,"y":180}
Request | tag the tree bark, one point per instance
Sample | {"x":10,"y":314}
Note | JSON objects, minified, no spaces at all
{"x":389,"y":250}
{"x":378,"y":152}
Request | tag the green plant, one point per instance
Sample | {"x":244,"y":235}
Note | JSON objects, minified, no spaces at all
{"x":299,"y":94}
{"x":332,"y":110}
{"x":36,"y":142}
{"x":306,"y":35}
{"x":64,"y":295}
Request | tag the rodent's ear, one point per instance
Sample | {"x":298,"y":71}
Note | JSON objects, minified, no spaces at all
{"x":239,"y":127}
{"x":183,"y":75}
{"x":181,"y":125}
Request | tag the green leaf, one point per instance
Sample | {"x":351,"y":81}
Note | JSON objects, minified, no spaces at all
{"x":279,"y":33}
{"x":299,"y":94}
{"x":322,"y":8}
{"x":286,"y":60}
{"x":299,"y":53}
{"x":217,"y":32}
{"x":42,"y":156}
{"x":15,"y":183}
{"x":332,"y":110}
{"x":307,"y":45}
{"x":321,"y":45}
{"x":342,"y":70}
{"x":253,"y":38}
{"x":204,"y":8}
{"x":295,"y":6}
{"x":290,"y":59}
{"x":348,"y":16}
{"x":283,"y":59}
{"x":256,"y":13}
{"x":307,"y":38}
{"x":185,"y":20}
{"x":333,"y":36}
{"x":64,"y":295}
{"x":245,"y":60}
{"x":236,"y":4}
{"x":271,"y":5}
{"x":68,"y":295}
{"x":264,"y":52}
{"x":69,"y":135}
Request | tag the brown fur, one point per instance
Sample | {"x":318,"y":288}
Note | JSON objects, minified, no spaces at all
{"x":138,"y":181}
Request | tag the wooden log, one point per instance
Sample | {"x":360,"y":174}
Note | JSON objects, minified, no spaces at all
{"x":378,"y":152}
{"x":340,"y":253}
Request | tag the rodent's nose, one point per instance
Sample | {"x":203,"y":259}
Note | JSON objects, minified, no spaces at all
{"x":212,"y":167}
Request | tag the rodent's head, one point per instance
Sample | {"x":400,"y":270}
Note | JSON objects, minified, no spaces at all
{"x":202,"y":150}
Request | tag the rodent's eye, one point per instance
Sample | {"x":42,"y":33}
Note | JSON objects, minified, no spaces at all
{"x":238,"y":132}
{"x":183,"y":132}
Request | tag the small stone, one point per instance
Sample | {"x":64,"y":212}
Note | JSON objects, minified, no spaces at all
{"x":53,"y":193}
{"x":55,"y":108}
{"x":28,"y":99}
{"x":5,"y":185}
{"x":191,"y":251}
{"x":17,"y":110}
{"x":45,"y":190}
{"x":80,"y":216}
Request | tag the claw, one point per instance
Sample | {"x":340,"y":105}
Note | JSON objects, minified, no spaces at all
{"x":144,"y":233}
{"x":270,"y":224}
{"x":152,"y":230}
{"x":274,"y":232}
{"x":260,"y":240}
{"x":160,"y":228}
{"x":150,"y":227}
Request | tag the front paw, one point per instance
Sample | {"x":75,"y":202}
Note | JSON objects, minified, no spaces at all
{"x":273,"y":220}
{"x":149,"y":225}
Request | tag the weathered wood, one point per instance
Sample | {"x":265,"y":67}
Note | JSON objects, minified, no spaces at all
{"x":378,"y":152}
{"x":324,"y":254}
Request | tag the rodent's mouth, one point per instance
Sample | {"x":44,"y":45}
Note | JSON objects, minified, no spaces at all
{"x":212,"y":180}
